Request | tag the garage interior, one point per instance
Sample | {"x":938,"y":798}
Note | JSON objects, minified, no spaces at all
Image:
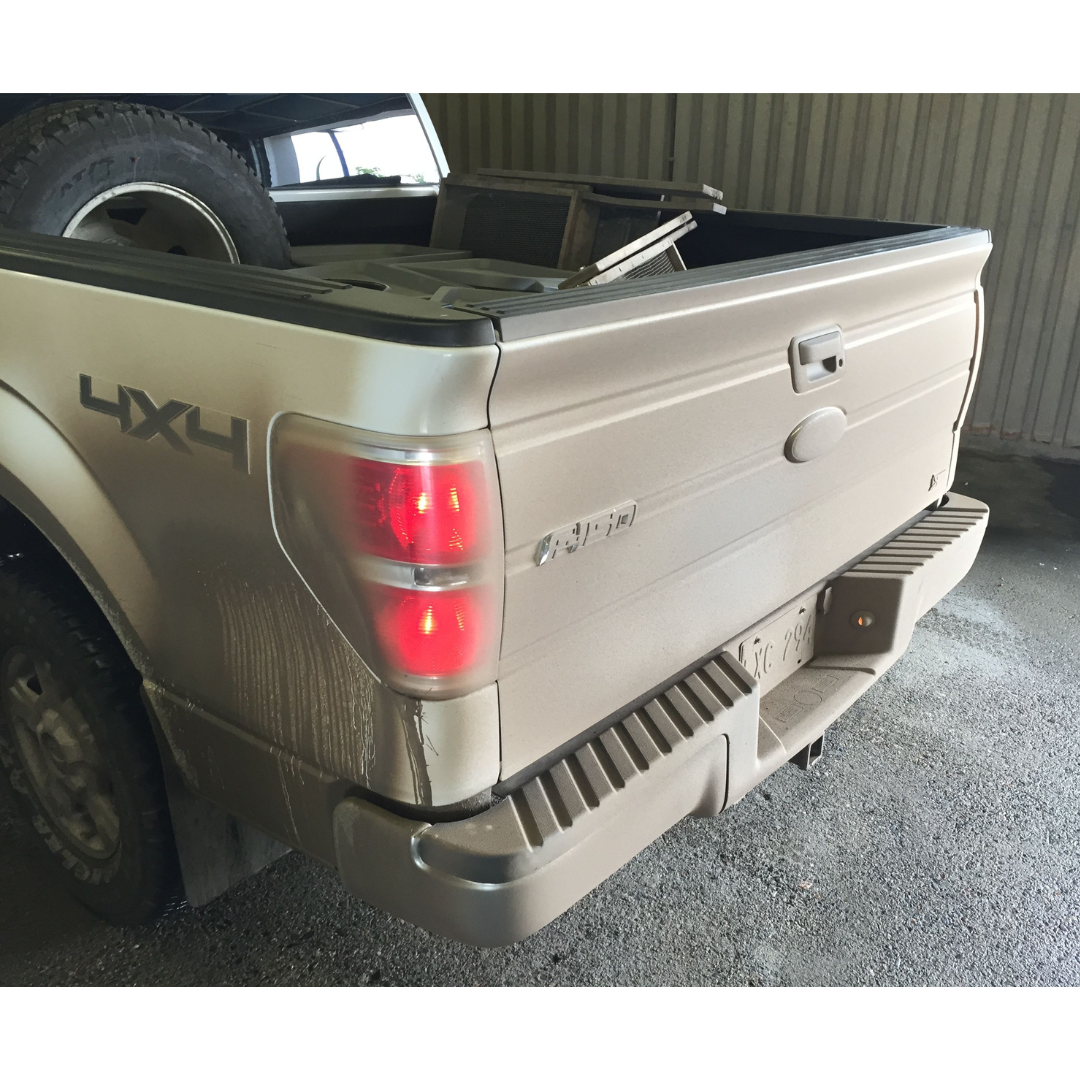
{"x":934,"y":843}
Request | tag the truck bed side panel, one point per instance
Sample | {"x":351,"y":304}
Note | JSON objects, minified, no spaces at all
{"x":229,"y":625}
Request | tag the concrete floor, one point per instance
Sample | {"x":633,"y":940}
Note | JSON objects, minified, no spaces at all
{"x":938,"y":840}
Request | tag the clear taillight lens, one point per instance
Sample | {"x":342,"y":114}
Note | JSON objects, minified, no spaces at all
{"x":400,"y":539}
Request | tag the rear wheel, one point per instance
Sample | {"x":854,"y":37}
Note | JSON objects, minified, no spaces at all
{"x":78,"y":750}
{"x":136,"y":176}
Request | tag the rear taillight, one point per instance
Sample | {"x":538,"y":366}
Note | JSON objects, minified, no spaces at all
{"x":400,"y":539}
{"x":434,"y":634}
{"x":421,"y":511}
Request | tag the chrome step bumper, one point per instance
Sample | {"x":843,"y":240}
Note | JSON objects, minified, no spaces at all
{"x":694,"y":748}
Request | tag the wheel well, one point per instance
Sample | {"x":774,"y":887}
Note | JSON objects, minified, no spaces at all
{"x":20,"y":537}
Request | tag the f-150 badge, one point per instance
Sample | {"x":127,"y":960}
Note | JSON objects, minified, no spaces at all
{"x":157,"y":420}
{"x":569,"y":538}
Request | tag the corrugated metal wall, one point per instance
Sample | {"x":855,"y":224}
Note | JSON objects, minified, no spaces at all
{"x":1007,"y":162}
{"x":612,"y":134}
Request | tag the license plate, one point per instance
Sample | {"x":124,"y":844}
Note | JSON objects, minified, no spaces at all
{"x":780,"y":647}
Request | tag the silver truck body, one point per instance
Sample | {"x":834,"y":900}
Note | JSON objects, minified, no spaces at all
{"x":624,"y":698}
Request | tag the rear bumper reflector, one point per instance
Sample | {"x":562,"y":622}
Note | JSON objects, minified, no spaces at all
{"x":694,"y":748}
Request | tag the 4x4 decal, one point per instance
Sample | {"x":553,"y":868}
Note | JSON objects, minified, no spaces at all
{"x":157,"y":420}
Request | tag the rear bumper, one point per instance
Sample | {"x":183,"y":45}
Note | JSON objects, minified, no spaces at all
{"x":694,"y":748}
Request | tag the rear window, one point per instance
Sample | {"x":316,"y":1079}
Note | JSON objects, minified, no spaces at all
{"x":387,"y":146}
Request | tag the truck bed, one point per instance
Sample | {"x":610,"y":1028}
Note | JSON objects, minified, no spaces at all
{"x":672,"y":395}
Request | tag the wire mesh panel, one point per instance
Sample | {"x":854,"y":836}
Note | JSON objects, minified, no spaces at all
{"x":527,"y":228}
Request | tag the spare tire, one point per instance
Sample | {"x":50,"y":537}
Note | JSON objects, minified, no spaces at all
{"x":139,"y":177}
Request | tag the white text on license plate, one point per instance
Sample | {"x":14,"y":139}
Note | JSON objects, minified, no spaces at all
{"x":772,"y":653}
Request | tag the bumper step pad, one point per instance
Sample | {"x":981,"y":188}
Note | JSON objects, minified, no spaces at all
{"x":562,"y":796}
{"x":498,"y":877}
{"x":896,"y":584}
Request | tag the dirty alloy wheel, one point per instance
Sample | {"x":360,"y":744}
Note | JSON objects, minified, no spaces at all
{"x":137,"y":177}
{"x":60,"y":758}
{"x":77,"y":748}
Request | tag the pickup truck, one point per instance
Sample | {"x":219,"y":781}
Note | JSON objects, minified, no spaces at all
{"x":469,"y":596}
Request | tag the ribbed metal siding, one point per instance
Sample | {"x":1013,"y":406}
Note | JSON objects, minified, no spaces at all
{"x":1007,"y":162}
{"x":611,"y":134}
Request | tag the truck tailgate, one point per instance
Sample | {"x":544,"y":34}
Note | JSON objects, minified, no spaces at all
{"x":681,"y":400}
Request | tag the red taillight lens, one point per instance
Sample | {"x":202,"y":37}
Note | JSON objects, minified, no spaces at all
{"x":432,"y":634}
{"x":421,"y":513}
{"x":400,"y":539}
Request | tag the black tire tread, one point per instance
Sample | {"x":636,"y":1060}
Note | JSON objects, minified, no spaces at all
{"x":31,"y":589}
{"x":28,"y":141}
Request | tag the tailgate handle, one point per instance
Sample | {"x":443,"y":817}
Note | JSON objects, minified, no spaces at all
{"x":817,"y":358}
